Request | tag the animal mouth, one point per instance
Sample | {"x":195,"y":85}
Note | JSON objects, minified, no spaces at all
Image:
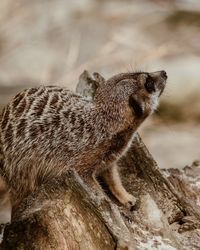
{"x":159,"y":78}
{"x":162,"y":87}
{"x":162,"y":81}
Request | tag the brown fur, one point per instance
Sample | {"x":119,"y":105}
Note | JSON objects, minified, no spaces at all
{"x":47,"y":130}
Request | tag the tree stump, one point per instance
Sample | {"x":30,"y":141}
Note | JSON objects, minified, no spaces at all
{"x":65,"y":214}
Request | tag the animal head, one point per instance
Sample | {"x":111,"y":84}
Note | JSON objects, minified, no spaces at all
{"x":138,"y":91}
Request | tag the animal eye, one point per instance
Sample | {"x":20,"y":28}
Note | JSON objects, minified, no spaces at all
{"x":149,"y":85}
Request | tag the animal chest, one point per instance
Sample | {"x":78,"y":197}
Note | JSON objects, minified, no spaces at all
{"x":119,"y":144}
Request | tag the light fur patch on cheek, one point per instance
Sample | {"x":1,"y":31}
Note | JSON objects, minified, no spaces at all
{"x":154,"y":102}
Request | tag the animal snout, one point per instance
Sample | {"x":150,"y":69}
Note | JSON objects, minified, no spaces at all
{"x":158,"y":75}
{"x":163,"y":74}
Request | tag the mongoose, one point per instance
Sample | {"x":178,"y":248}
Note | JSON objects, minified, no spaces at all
{"x":47,"y":130}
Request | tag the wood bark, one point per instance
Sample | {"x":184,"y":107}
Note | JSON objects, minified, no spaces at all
{"x":65,"y":214}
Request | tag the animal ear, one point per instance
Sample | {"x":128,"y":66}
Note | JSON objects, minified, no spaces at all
{"x":88,"y":85}
{"x":99,"y":78}
{"x":136,"y":106}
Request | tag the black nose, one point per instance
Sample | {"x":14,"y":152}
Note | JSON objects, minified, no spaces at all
{"x":163,"y":74}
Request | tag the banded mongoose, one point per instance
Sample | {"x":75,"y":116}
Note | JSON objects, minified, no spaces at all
{"x":47,"y":130}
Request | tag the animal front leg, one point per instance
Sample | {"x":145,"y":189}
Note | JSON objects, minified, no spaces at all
{"x":89,"y":179}
{"x":112,"y":178}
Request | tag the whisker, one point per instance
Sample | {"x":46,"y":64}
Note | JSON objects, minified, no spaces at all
{"x":165,"y":94}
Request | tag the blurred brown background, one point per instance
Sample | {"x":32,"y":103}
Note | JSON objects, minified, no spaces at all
{"x":53,"y":41}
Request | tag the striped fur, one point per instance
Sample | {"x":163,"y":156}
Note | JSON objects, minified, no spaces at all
{"x":47,"y":130}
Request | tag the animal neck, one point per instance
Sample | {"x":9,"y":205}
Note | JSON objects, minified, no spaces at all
{"x":112,"y":116}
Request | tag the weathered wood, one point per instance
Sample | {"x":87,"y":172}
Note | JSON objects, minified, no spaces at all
{"x":65,"y":214}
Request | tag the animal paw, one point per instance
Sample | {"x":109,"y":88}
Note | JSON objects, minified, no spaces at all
{"x":131,"y":203}
{"x":128,"y":201}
